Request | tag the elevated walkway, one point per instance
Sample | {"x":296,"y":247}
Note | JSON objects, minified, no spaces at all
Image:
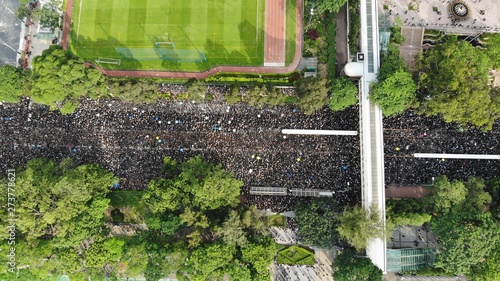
{"x":371,"y":135}
{"x":311,"y":193}
{"x":265,"y":190}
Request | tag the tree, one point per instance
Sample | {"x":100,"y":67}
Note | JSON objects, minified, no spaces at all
{"x":133,"y":90}
{"x":162,"y":195}
{"x":49,"y":14}
{"x":467,"y":238}
{"x":454,"y":84}
{"x":13,"y":83}
{"x":391,"y":62}
{"x":134,"y":259}
{"x":59,"y":77}
{"x":208,"y":262}
{"x":344,"y":94}
{"x":348,"y":266}
{"x":331,"y":6}
{"x":253,"y":220}
{"x":232,"y":230}
{"x":447,"y":194}
{"x":477,"y":196}
{"x":259,"y":253}
{"x":493,"y":188}
{"x":316,"y":222}
{"x":103,"y":251}
{"x":359,"y":226}
{"x":23,"y":11}
{"x":394,"y":94}
{"x":312,"y":93}
{"x":407,"y":211}
{"x":492,"y":44}
{"x":49,"y":205}
{"x":208,"y":186}
{"x":196,"y":90}
{"x":395,"y":89}
{"x":488,"y":270}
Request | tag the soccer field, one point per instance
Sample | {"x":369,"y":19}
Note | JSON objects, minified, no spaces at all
{"x":191,"y":35}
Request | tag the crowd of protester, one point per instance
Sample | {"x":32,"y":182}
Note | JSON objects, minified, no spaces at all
{"x":131,"y":140}
{"x":410,"y":133}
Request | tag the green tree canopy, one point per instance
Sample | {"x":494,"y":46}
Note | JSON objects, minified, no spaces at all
{"x":406,"y":211}
{"x":62,"y":204}
{"x":331,"y":6}
{"x":467,"y":238}
{"x":394,"y":94}
{"x":492,"y":44}
{"x":48,"y":15}
{"x":23,"y":11}
{"x":395,"y":89}
{"x":196,"y":90}
{"x":316,"y":222}
{"x":13,"y":83}
{"x":446,"y":194}
{"x":208,"y":262}
{"x":344,"y":94}
{"x":454,"y":84}
{"x":358,"y":226}
{"x":312,"y":93}
{"x":493,"y":188}
{"x":348,"y":267}
{"x":198,"y":184}
{"x":59,"y":77}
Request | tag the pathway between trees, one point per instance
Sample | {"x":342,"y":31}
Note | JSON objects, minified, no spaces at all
{"x":197,"y":75}
{"x":411,"y":191}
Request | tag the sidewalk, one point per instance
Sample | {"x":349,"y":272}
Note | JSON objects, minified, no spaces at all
{"x":33,"y":42}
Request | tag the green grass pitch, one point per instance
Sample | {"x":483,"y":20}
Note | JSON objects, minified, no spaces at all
{"x":225,"y":32}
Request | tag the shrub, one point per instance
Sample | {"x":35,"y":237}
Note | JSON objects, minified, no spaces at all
{"x":313,"y":34}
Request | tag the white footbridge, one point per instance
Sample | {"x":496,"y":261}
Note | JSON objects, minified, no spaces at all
{"x":371,"y":128}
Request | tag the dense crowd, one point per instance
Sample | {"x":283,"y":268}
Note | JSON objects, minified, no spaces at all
{"x":410,"y":133}
{"x":131,"y":140}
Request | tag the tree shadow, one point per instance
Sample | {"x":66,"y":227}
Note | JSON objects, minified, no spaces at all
{"x":110,"y":48}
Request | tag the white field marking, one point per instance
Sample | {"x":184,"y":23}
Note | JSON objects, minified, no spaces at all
{"x":79,"y":18}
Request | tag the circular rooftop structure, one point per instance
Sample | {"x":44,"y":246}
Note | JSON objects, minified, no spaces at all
{"x":459,"y":10}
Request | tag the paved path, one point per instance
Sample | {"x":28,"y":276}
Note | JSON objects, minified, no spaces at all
{"x":416,"y":191}
{"x":341,"y":46}
{"x":199,"y":75}
{"x":424,"y":15}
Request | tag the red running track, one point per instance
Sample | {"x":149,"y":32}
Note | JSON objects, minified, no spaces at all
{"x":275,"y":33}
{"x":67,"y":24}
{"x":201,"y":75}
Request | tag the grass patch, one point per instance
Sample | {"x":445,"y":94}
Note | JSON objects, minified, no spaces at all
{"x":291,"y":30}
{"x":354,"y":26}
{"x":295,"y":255}
{"x":127,"y":205}
{"x":277,"y":220}
{"x":125,"y":198}
{"x":225,"y":32}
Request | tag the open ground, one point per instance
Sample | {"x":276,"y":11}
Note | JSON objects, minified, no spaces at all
{"x":178,"y":69}
{"x":191,"y":36}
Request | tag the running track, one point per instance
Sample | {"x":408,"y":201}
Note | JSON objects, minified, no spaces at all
{"x":197,"y":75}
{"x":275,"y":33}
{"x":67,"y":24}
